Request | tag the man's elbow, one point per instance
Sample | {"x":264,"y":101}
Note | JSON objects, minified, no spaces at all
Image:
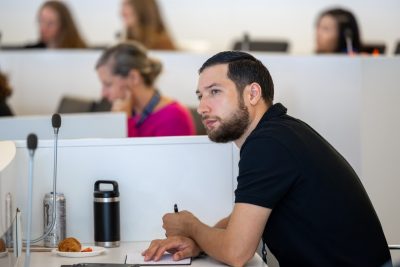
{"x":239,"y":259}
{"x":237,"y":263}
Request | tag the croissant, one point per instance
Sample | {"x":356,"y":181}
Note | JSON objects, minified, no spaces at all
{"x":69,"y":244}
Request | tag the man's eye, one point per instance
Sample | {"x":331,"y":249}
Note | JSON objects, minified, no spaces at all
{"x":214,"y":91}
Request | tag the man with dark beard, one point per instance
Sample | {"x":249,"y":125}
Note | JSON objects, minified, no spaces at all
{"x":295,"y":191}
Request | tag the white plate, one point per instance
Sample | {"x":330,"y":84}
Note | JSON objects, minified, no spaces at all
{"x":3,"y":253}
{"x":96,"y":251}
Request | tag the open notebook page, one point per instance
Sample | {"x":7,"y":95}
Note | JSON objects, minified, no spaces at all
{"x":166,"y":259}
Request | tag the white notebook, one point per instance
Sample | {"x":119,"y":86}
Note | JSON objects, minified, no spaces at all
{"x":166,"y":259}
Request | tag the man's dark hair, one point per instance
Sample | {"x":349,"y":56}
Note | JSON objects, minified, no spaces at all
{"x":244,"y":69}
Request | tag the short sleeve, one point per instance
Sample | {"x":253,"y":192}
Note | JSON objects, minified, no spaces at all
{"x":267,"y":171}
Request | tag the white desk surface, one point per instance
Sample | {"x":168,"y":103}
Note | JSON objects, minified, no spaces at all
{"x":114,"y":255}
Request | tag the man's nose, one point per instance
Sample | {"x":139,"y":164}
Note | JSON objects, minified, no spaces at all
{"x":203,"y":108}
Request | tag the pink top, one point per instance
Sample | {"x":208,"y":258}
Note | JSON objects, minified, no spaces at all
{"x":171,"y":120}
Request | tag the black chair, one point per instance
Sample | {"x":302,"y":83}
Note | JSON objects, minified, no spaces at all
{"x":397,"y":50}
{"x":70,"y":104}
{"x":371,"y":48}
{"x":262,"y":46}
{"x":12,"y":47}
{"x":101,"y":106}
{"x":248,"y":44}
{"x":200,"y":130}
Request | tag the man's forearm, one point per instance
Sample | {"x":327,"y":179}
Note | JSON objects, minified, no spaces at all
{"x":216,"y":241}
{"x":233,"y":240}
{"x":222,"y":224}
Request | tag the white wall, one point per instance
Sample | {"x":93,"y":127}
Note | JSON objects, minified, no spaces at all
{"x":213,"y":25}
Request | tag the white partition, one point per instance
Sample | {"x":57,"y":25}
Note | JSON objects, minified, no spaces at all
{"x":85,"y":125}
{"x":152,"y":173}
{"x":380,"y":138}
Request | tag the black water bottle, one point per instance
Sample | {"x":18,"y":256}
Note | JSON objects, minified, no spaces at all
{"x":106,"y":215}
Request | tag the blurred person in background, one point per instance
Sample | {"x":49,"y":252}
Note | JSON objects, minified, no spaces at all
{"x":143,"y":23}
{"x":5,"y":92}
{"x":127,"y":75}
{"x":57,"y":28}
{"x":337,"y":32}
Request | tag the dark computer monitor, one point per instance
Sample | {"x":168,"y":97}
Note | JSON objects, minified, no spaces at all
{"x":371,"y":48}
{"x":262,"y":46}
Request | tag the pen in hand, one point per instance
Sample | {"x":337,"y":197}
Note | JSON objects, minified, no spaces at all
{"x":176,"y":208}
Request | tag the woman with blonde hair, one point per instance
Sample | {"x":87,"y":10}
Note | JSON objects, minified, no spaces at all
{"x":128,"y":76}
{"x":143,"y":23}
{"x":57,"y":28}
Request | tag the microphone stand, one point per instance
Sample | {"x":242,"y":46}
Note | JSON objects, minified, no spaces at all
{"x":32,"y":145}
{"x":245,"y":46}
{"x":56,"y":123}
{"x":349,"y":41}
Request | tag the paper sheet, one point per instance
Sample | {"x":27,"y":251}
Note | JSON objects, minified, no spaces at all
{"x":166,"y":259}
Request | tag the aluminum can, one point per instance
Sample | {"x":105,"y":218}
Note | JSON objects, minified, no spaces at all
{"x":59,"y":231}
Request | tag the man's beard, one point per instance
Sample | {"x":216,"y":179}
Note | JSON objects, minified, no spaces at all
{"x":231,"y":128}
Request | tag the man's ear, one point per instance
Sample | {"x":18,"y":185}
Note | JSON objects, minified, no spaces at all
{"x":254,"y":93}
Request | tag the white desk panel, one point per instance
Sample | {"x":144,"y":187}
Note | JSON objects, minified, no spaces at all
{"x":152,"y":173}
{"x":84,"y":125}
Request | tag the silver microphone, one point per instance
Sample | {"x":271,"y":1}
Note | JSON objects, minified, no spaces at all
{"x":348,"y":34}
{"x":56,"y":123}
{"x":32,"y":142}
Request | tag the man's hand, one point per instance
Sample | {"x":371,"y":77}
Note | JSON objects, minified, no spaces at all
{"x":181,"y":247}
{"x":178,"y":223}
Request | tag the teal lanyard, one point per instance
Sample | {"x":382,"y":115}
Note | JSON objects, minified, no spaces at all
{"x":148,"y":109}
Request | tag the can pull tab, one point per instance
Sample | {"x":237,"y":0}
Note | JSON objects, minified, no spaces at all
{"x":99,"y":182}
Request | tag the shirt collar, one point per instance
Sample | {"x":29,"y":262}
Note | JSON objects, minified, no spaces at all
{"x":274,"y":111}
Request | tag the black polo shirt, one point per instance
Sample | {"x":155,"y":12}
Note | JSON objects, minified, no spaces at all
{"x":321,"y":213}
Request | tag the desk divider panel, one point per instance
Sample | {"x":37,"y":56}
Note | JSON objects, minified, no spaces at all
{"x":152,"y":173}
